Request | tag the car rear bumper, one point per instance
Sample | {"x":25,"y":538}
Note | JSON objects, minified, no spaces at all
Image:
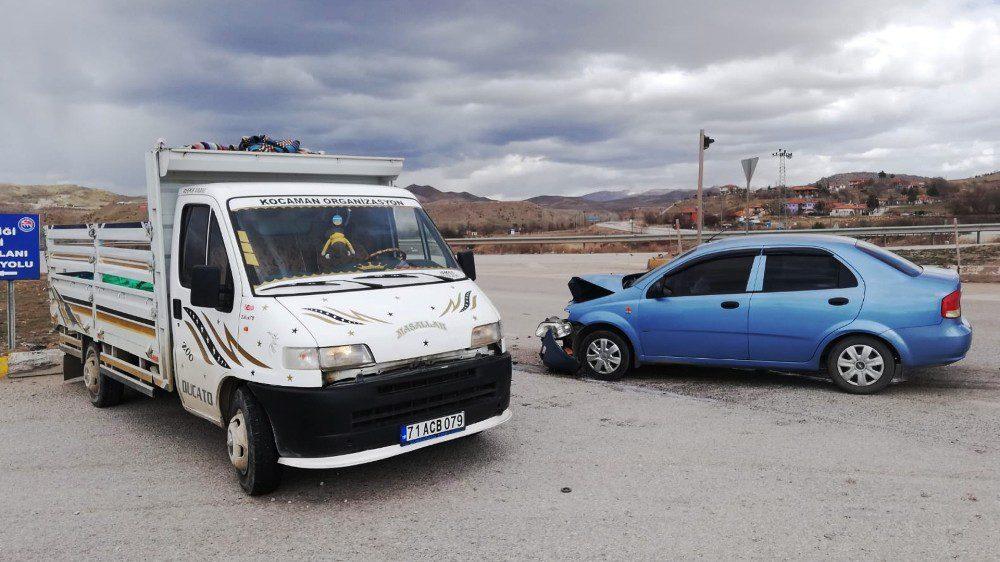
{"x":358,"y":422}
{"x":940,"y":344}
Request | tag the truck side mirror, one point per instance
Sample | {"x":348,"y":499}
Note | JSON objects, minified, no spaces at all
{"x":467,"y":261}
{"x":205,"y":286}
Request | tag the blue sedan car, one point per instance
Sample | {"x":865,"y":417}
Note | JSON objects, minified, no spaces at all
{"x":801,"y":303}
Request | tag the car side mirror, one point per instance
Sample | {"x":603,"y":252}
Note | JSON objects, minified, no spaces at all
{"x":205,"y":286}
{"x":467,"y":261}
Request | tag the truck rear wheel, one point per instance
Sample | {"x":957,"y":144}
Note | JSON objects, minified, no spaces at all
{"x":250,"y":443}
{"x":104,"y":391}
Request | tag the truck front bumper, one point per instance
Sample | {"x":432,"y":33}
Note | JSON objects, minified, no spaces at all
{"x":357,"y":422}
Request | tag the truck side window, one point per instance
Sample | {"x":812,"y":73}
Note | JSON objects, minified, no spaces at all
{"x":202,"y":244}
{"x":433,"y":241}
{"x":217,"y":257}
{"x":194,"y":240}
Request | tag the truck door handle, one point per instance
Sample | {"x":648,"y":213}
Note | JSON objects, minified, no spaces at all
{"x":177,"y":309}
{"x":838,"y":301}
{"x":730,"y":304}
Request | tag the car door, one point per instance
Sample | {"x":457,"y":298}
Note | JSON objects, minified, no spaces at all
{"x":703,"y":314}
{"x":806,"y":293}
{"x":203,"y":337}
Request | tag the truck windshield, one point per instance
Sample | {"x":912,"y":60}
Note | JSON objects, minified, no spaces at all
{"x":297,"y":239}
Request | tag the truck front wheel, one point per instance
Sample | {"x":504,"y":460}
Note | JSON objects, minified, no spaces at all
{"x":104,"y":391}
{"x":250,"y":443}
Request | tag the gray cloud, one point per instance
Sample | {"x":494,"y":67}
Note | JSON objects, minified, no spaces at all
{"x":508,"y":99}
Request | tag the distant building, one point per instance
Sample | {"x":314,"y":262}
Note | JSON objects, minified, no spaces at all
{"x":797,"y":205}
{"x":846,"y":209}
{"x":805,"y":191}
{"x":687,"y":213}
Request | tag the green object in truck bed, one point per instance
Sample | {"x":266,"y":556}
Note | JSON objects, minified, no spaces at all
{"x":126,"y":282}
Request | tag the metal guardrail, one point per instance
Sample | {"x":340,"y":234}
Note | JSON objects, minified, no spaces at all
{"x":860,"y":232}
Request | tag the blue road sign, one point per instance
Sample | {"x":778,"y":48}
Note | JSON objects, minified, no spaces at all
{"x":19,"y":247}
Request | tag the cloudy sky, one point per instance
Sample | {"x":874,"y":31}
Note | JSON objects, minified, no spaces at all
{"x":507,"y":99}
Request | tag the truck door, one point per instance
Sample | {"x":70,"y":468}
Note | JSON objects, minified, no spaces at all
{"x":204,"y":338}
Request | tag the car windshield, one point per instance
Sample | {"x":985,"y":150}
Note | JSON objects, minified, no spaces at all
{"x":294,"y":241}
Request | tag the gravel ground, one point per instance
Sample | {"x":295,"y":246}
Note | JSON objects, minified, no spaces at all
{"x":674,"y":462}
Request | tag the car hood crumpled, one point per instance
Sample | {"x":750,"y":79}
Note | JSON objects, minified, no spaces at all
{"x":590,"y":287}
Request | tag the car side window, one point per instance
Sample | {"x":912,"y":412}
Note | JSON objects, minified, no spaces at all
{"x":796,"y":272}
{"x":720,"y":276}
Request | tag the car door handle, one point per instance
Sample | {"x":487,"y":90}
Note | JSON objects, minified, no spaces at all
{"x":177,"y":309}
{"x":730,"y":304}
{"x":838,"y":301}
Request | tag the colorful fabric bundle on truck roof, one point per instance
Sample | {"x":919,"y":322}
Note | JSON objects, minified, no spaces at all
{"x":258,"y":143}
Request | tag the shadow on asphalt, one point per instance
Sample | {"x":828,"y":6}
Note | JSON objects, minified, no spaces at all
{"x":181,"y":435}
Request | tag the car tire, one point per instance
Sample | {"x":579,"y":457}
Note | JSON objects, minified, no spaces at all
{"x":72,"y":367}
{"x":861,"y":365}
{"x":250,"y":445}
{"x":604,"y":355}
{"x":104,"y":391}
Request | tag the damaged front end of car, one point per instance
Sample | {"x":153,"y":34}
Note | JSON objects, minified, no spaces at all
{"x":557,"y":345}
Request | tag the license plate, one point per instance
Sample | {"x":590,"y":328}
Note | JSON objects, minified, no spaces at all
{"x":431,"y":428}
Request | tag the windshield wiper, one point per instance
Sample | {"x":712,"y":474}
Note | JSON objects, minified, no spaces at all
{"x":406,"y":276}
{"x":318,"y":283}
{"x":388,"y":276}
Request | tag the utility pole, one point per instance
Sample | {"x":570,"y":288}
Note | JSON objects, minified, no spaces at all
{"x":749,"y":165}
{"x":782,"y":155}
{"x":703,"y":142}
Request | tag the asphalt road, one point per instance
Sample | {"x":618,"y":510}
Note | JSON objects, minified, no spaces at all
{"x":675,"y":462}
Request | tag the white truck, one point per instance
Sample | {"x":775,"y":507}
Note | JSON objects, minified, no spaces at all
{"x":297,"y":300}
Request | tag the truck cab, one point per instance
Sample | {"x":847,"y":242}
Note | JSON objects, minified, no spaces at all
{"x":311,"y":309}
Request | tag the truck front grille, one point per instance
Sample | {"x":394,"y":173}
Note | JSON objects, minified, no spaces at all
{"x":413,"y":409}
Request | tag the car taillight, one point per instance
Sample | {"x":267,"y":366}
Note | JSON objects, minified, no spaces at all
{"x":951,"y":305}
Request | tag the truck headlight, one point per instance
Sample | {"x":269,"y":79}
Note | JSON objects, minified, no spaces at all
{"x":485,"y":334}
{"x":336,"y":357}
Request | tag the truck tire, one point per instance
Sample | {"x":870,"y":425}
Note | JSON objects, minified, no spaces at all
{"x":604,"y":355}
{"x":104,"y":392}
{"x":861,"y":365}
{"x":250,"y":444}
{"x":72,"y":367}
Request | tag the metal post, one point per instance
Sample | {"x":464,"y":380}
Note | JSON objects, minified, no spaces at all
{"x":11,"y":336}
{"x":746,"y":216}
{"x":958,"y":249}
{"x":677,"y":226}
{"x":701,"y":175}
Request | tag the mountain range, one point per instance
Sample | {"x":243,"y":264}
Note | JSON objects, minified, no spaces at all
{"x":610,"y":201}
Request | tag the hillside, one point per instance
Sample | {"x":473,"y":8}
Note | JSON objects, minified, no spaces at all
{"x":34,"y":197}
{"x":70,"y":204}
{"x":458,"y":218}
{"x":848,"y":176}
{"x":605,"y":195}
{"x":429,"y":194}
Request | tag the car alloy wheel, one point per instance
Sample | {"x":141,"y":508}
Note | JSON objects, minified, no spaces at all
{"x":860,"y":365}
{"x":604,"y":356}
{"x":237,"y":442}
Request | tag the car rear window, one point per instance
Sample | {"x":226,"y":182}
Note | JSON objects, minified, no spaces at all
{"x":893,"y":260}
{"x":805,"y":272}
